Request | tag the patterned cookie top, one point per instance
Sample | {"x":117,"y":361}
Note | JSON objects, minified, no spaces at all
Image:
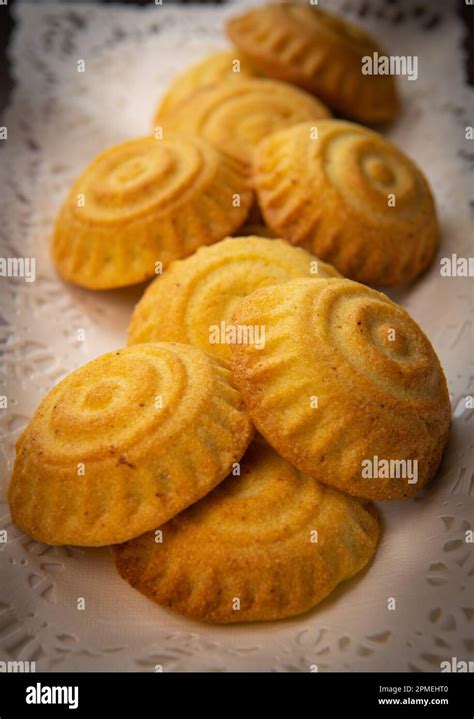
{"x":268,"y":543}
{"x":213,"y":69}
{"x":143,"y":202}
{"x":321,"y":52}
{"x":351,"y":197}
{"x":194,"y":299}
{"x":345,"y":383}
{"x":236,"y":116}
{"x":124,"y":443}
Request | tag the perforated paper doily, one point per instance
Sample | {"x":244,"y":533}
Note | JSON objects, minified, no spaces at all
{"x":58,"y":120}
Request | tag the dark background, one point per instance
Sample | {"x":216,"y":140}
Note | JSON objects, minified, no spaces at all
{"x":418,"y":8}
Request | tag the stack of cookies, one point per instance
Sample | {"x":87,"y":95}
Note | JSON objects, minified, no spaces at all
{"x":230,"y":455}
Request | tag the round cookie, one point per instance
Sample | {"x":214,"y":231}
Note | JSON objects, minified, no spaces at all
{"x":236,"y":116}
{"x":320,"y":52}
{"x":144,"y":202}
{"x":267,"y":544}
{"x":194,"y":299}
{"x":126,"y":442}
{"x":213,"y":69}
{"x":349,"y":196}
{"x":347,"y":387}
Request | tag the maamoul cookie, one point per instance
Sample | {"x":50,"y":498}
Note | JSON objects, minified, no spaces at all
{"x":347,"y":387}
{"x":267,"y":544}
{"x":350,"y":197}
{"x":320,"y":52}
{"x":236,"y":116}
{"x":146,"y":202}
{"x":126,"y":442}
{"x":194,"y":299}
{"x":213,"y":69}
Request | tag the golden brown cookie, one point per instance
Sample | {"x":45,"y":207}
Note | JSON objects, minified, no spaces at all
{"x":126,"y":442}
{"x":194,"y":299}
{"x":266,"y":544}
{"x":213,"y":69}
{"x":349,"y":196}
{"x":320,"y":52}
{"x":236,"y":116}
{"x":145,"y":202}
{"x":347,"y":387}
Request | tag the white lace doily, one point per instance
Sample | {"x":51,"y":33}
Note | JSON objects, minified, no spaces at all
{"x":58,"y":120}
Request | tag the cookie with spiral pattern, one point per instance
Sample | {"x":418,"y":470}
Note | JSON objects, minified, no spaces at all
{"x":349,"y":196}
{"x":213,"y":69}
{"x":347,"y":387}
{"x":143,"y":203}
{"x":124,"y":443}
{"x":266,"y":544}
{"x":320,"y":52}
{"x":236,"y":116}
{"x":194,"y":299}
